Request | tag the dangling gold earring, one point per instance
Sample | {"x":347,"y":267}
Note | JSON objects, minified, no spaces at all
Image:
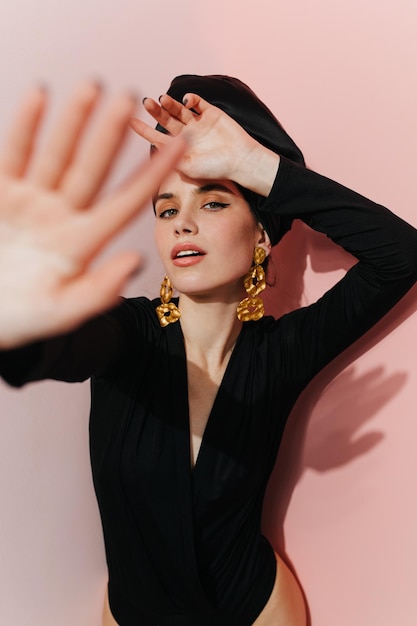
{"x":167,"y":312}
{"x":252,"y":307}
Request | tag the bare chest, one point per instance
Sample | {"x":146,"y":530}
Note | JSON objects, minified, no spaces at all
{"x":202,"y":391}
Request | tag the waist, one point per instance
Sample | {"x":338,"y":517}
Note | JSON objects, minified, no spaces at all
{"x":160,"y":590}
{"x":130,"y":611}
{"x":286,"y":604}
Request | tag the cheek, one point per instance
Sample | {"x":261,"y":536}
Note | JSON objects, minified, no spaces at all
{"x":240,"y":250}
{"x":244,"y":239}
{"x":160,"y":240}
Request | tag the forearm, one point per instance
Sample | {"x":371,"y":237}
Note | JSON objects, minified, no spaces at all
{"x":72,"y":357}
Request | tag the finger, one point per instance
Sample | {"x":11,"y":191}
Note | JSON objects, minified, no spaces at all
{"x":59,"y":151}
{"x":112,"y":214}
{"x":22,"y":135}
{"x":195,"y":102}
{"x":162,"y":116}
{"x":95,"y":292}
{"x":176,"y":109}
{"x":84,"y":179}
{"x":155,"y":137}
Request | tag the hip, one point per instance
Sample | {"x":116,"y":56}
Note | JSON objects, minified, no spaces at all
{"x":286,"y":605}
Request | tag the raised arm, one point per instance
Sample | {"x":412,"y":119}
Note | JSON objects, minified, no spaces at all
{"x":386,"y":249}
{"x":385,"y":245}
{"x":52,"y":222}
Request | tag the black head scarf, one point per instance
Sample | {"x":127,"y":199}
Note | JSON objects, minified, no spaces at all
{"x":239,"y":101}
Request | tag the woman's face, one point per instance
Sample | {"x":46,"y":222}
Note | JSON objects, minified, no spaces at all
{"x":206,"y":233}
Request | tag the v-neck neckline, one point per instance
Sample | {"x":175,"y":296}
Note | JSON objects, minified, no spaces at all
{"x":209,"y":424}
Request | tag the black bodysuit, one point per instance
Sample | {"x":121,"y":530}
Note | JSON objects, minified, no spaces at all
{"x":184,"y":546}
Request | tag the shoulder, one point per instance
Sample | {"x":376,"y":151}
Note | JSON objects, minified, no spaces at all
{"x":136,"y":314}
{"x":264,"y":332}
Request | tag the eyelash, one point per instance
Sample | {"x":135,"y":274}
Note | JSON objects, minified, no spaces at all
{"x":215,"y":206}
{"x":219,"y":205}
{"x":167,"y":213}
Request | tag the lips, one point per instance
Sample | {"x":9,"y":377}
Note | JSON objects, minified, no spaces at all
{"x":185,"y":250}
{"x":184,"y":254}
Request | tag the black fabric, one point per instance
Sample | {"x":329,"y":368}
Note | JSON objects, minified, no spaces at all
{"x":185,"y":546}
{"x":241,"y":103}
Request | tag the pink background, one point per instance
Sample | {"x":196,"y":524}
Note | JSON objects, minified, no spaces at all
{"x":341,"y":76}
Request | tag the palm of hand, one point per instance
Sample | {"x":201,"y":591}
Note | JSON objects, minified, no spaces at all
{"x":30,"y":248}
{"x":51,"y":227}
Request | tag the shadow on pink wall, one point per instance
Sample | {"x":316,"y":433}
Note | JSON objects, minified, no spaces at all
{"x":347,"y":399}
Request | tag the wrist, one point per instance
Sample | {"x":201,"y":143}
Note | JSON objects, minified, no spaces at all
{"x":257,"y":170}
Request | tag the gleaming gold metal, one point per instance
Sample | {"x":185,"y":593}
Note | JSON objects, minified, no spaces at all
{"x":167,"y":311}
{"x":259,"y":256}
{"x":252,"y":307}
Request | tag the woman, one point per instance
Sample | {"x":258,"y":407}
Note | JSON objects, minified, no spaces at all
{"x":190,"y":396}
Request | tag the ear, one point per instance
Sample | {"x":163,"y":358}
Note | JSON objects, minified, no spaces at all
{"x":264,"y":240}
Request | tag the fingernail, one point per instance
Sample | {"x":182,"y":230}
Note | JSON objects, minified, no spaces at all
{"x":184,"y":101}
{"x":160,"y":97}
{"x":143,"y":99}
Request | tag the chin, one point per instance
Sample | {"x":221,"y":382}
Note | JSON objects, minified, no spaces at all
{"x":187,"y":285}
{"x":198,"y":284}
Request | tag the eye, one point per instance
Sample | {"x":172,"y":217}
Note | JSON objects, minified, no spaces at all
{"x":215,"y":206}
{"x":167,"y":213}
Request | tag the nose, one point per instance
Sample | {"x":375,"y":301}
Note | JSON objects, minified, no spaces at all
{"x":185,"y":223}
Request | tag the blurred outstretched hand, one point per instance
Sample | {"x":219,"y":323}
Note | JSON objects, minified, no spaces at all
{"x":52,"y":225}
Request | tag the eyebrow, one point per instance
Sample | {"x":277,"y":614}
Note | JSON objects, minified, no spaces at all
{"x":213,"y":187}
{"x":198,"y":191}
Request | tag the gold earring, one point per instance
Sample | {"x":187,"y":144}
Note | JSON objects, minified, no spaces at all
{"x":167,"y":312}
{"x":252,"y":307}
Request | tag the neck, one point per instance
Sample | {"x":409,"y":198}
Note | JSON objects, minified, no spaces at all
{"x":210,"y":330}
